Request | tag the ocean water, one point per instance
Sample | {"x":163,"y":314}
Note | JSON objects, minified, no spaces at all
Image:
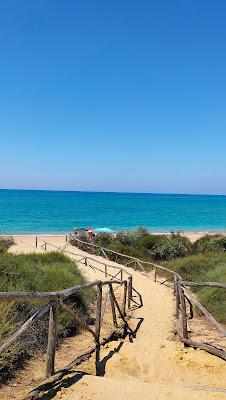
{"x":28,"y":211}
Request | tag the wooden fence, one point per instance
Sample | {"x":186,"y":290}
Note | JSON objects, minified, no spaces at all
{"x":56,"y":301}
{"x":184,"y":299}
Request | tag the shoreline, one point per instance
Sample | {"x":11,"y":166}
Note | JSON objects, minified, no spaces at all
{"x":191,"y":235}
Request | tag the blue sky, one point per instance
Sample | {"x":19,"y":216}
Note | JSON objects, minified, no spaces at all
{"x":113,"y":95}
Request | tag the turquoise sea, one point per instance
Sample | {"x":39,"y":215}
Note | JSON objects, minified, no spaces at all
{"x":34,"y":211}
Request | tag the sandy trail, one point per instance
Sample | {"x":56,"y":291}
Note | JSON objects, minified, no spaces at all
{"x":155,"y":366}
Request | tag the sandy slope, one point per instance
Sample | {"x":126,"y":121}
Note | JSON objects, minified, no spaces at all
{"x":154,"y":366}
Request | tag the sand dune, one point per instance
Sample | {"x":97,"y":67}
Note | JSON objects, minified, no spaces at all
{"x":154,"y":366}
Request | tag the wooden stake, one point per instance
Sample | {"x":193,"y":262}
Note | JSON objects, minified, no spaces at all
{"x":51,"y":349}
{"x":177,"y":295}
{"x":114,"y":318}
{"x":183,"y":313}
{"x":155,"y":274}
{"x":36,"y":242}
{"x":124,"y":299}
{"x":98,"y":312}
{"x":130,"y":289}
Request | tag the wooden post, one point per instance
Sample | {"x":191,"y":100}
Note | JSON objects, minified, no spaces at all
{"x":105,"y":271}
{"x":52,"y":336}
{"x":124,"y":299}
{"x":121,"y":274}
{"x":114,"y":318}
{"x":183,"y":313}
{"x":45,"y":246}
{"x":177,"y":295}
{"x":130,"y":288}
{"x":116,"y":257}
{"x":98,"y":312}
{"x":86,"y":261}
{"x":66,"y":238}
{"x":174,"y":284}
{"x":155,"y":274}
{"x":36,"y":242}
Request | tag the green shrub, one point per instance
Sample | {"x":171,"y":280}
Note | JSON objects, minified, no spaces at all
{"x":208,"y":243}
{"x":123,"y":249}
{"x":205,"y":267}
{"x":222,"y":243}
{"x":162,"y":247}
{"x":103,"y":239}
{"x":5,"y":244}
{"x":214,"y":300}
{"x":125,"y":238}
{"x":36,"y":272}
{"x":197,"y":267}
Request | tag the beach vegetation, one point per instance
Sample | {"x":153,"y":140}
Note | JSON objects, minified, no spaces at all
{"x":29,"y":273}
{"x":5,"y":244}
{"x":103,"y":239}
{"x":145,"y":245}
{"x":207,"y":267}
{"x":209,"y":243}
{"x":159,"y":247}
{"x":203,"y":260}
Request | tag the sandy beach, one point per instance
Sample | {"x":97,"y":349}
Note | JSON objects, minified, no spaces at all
{"x":30,"y":238}
{"x":154,"y":366}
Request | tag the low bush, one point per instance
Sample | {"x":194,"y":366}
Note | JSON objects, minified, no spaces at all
{"x":209,"y":243}
{"x":162,"y":247}
{"x":36,"y":272}
{"x":5,"y":244}
{"x":205,"y":267}
{"x":123,"y":249}
{"x":103,"y":239}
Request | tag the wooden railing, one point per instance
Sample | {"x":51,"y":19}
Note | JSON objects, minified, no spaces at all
{"x":56,"y":301}
{"x":184,"y":299}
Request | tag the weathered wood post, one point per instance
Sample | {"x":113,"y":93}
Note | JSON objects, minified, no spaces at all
{"x":36,"y":242}
{"x":174,"y":284}
{"x":183,"y":313}
{"x":121,"y":275}
{"x":98,"y":312}
{"x":155,"y":274}
{"x":124,"y":299}
{"x":45,"y":246}
{"x":85,"y":261}
{"x":52,"y":336}
{"x":114,"y":318}
{"x":66,"y":238}
{"x":177,"y":295}
{"x":105,"y":271}
{"x":130,"y":289}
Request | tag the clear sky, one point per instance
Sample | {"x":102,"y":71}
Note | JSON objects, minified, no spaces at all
{"x":116,"y":95}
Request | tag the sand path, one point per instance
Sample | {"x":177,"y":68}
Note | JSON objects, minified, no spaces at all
{"x":155,"y":366}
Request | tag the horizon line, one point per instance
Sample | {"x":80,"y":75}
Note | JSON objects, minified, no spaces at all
{"x":113,"y":191}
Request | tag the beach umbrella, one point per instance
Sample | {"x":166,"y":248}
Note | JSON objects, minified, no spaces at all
{"x":103,"y":230}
